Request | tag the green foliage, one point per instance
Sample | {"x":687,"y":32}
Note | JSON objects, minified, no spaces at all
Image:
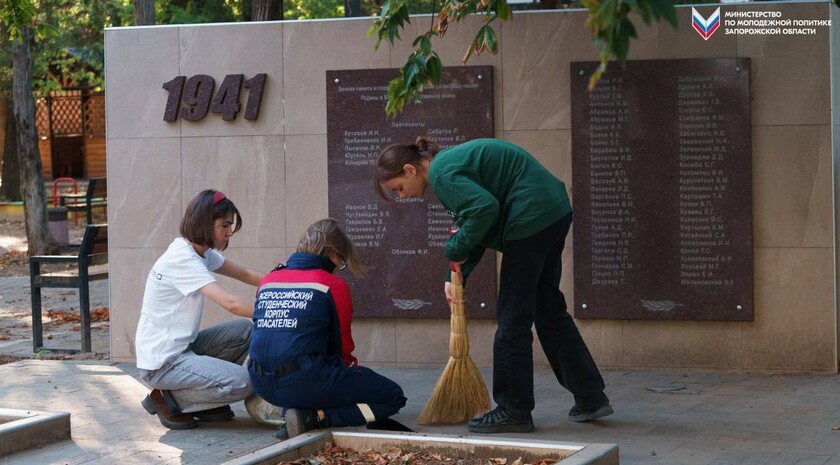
{"x":75,"y":56}
{"x":70,"y":49}
{"x":609,"y":21}
{"x":423,"y":67}
{"x":196,"y":11}
{"x":392,"y":17}
{"x":313,"y":9}
{"x":18,"y":14}
{"x":612,"y":29}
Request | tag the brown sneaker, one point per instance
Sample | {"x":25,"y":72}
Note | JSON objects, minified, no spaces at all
{"x":155,"y":404}
{"x":223,"y":413}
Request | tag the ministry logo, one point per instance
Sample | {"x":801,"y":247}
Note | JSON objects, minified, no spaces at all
{"x":705,"y":26}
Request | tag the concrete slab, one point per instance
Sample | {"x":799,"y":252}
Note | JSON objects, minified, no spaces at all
{"x":25,"y":429}
{"x":719,"y":419}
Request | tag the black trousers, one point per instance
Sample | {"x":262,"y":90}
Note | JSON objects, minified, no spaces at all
{"x":529,"y":295}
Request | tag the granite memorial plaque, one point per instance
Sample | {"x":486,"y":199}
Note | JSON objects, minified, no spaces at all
{"x":403,"y":242}
{"x":662,"y":185}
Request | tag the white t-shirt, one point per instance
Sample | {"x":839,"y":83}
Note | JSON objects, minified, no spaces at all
{"x":172,"y":303}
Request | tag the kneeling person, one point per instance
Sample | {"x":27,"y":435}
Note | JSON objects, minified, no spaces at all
{"x":301,"y":349}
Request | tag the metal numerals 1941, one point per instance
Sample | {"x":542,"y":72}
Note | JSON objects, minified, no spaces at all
{"x":190,"y":98}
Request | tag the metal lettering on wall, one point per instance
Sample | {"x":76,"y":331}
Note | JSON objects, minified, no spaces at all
{"x":190,"y":98}
{"x":403,"y":242}
{"x":662,"y":184}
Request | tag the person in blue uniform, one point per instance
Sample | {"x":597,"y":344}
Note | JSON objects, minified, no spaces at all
{"x":301,"y":347}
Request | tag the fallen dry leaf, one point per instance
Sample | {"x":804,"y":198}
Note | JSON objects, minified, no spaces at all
{"x":334,"y":455}
{"x":62,"y":316}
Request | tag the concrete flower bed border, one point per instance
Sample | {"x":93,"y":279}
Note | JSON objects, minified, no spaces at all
{"x":25,"y":429}
{"x":310,"y":443}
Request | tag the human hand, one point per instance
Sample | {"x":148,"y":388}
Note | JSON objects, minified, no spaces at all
{"x":447,"y":289}
{"x":455,"y":268}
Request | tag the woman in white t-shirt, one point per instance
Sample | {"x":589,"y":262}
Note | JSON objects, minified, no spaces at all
{"x":195,"y":374}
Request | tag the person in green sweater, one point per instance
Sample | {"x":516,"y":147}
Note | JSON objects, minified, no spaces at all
{"x":503,"y":199}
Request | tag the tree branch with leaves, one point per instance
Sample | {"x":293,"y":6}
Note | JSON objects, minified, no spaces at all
{"x":608,"y":20}
{"x":423,"y":66}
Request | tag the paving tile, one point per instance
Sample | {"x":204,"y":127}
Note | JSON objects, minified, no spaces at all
{"x":718,"y":419}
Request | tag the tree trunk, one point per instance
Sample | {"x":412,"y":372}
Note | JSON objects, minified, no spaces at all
{"x":11,"y":167}
{"x":352,"y":8}
{"x":32,"y":180}
{"x":266,"y":10}
{"x":144,"y":12}
{"x":245,"y":7}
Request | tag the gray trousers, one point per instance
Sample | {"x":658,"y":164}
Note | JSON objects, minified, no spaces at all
{"x":209,"y":373}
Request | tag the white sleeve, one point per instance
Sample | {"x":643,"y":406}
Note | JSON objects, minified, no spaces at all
{"x":214,"y":259}
{"x":190,"y":273}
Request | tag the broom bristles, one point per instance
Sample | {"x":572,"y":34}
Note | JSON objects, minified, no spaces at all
{"x":460,"y":394}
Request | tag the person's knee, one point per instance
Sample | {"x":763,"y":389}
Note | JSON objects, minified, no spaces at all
{"x":398,"y":399}
{"x":244,"y":392}
{"x":241,"y":392}
{"x":240,"y":387}
{"x":243,"y":327}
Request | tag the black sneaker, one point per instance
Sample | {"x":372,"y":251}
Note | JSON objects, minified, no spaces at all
{"x":577,"y":415}
{"x":500,"y":420}
{"x":299,"y":421}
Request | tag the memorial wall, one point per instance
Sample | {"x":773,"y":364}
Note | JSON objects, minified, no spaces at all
{"x":662,"y":176}
{"x":701,"y":176}
{"x":403,"y":241}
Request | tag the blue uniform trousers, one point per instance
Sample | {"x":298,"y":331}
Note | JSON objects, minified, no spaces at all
{"x":325,"y":383}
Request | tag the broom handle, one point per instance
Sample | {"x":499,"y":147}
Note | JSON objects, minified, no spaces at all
{"x":459,"y":345}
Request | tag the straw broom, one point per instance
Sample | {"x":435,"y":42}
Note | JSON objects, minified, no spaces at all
{"x":460,"y":392}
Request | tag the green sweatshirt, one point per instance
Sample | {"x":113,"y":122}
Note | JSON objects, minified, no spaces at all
{"x":495,"y":191}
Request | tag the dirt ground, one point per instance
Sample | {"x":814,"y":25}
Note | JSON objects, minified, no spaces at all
{"x":60,"y":306}
{"x":13,"y":245}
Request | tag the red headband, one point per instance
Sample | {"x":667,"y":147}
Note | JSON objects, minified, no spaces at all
{"x":218,"y":197}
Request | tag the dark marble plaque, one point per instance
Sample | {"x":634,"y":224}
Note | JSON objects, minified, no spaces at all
{"x":662,"y":183}
{"x":403,"y":242}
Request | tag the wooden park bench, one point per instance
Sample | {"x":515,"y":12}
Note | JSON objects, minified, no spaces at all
{"x":93,"y":251}
{"x":96,"y":196}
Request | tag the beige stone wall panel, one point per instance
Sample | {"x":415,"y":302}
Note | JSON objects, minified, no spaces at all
{"x":310,"y":48}
{"x":145,"y":202}
{"x":251,"y":172}
{"x":138,"y":61}
{"x":792,"y":186}
{"x":790,"y":80}
{"x":305,"y":188}
{"x":794,"y":322}
{"x":127,"y":279}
